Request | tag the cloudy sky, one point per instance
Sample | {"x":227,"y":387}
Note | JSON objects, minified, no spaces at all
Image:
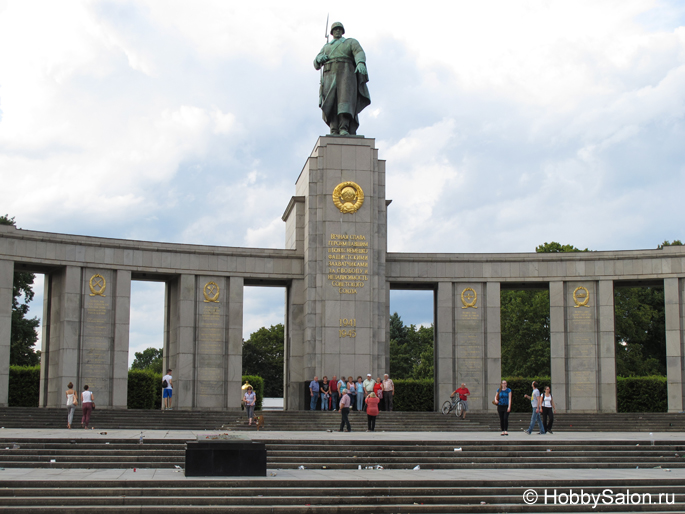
{"x":504,"y":124}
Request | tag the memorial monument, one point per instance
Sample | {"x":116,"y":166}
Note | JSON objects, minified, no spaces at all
{"x":338,"y":274}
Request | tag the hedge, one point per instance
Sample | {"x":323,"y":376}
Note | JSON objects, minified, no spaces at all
{"x":642,"y":394}
{"x":413,"y":395}
{"x":257,"y":384}
{"x":144,"y":388}
{"x":24,"y":386}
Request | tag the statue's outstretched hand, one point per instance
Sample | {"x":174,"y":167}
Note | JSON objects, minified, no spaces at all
{"x":322,"y":58}
{"x":361,"y":68}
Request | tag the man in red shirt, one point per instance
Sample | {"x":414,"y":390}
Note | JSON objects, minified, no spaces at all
{"x":463,"y":393}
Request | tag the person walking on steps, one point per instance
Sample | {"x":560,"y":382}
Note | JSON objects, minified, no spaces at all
{"x":345,"y":411}
{"x":549,"y":409}
{"x":87,"y":406}
{"x":536,"y":404}
{"x":503,"y":402}
{"x":72,"y":403}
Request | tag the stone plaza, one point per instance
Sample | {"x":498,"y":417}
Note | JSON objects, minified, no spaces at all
{"x":338,"y":276}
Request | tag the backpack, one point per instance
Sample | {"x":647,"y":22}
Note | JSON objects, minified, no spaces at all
{"x":164,"y":384}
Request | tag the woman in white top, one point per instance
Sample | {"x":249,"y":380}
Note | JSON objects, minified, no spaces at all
{"x":548,"y":410}
{"x":250,"y":398}
{"x":87,"y":405}
{"x":72,"y":403}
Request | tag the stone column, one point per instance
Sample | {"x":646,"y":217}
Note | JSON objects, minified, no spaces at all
{"x":493,"y":344}
{"x":675,"y":342}
{"x":122,"y":321}
{"x":293,"y":350}
{"x":444,"y":343}
{"x":235,"y":342}
{"x":61,"y":345}
{"x":607,"y":347}
{"x":477,"y":330}
{"x":179,"y":346}
{"x":211,"y":353}
{"x":104,"y":332}
{"x":344,"y":248}
{"x":557,"y":309}
{"x":6,"y":291}
{"x":582,"y":351}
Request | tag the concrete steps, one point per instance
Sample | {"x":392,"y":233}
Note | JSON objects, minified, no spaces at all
{"x":373,"y":495}
{"x":104,"y":419}
{"x":344,"y":454}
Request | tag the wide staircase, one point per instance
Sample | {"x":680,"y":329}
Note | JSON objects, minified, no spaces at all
{"x":104,"y":419}
{"x":321,"y":453}
{"x":373,"y":495}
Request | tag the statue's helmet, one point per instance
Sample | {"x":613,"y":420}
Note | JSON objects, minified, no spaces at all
{"x":336,"y":25}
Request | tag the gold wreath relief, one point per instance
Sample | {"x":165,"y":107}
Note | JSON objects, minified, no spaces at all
{"x":466,"y":303}
{"x":584,"y":299}
{"x":97,"y":284}
{"x":211,"y":292}
{"x":348,"y":197}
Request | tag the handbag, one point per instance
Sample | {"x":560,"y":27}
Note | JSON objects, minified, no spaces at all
{"x":380,"y":394}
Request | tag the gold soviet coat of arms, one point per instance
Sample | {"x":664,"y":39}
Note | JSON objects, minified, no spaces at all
{"x":348,"y":197}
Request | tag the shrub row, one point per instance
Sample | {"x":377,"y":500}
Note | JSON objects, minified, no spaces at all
{"x":24,"y":386}
{"x":642,"y":394}
{"x":413,"y":395}
{"x":634,"y":394}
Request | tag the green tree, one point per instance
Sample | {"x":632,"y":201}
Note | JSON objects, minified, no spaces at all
{"x":554,"y":247}
{"x":149,"y":359}
{"x":411,"y":350}
{"x":676,"y":242}
{"x":525,"y":333}
{"x":24,"y":335}
{"x":263,"y":356}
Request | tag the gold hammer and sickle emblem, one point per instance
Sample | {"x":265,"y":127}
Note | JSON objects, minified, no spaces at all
{"x":97,"y":284}
{"x":469,"y":297}
{"x":348,"y":197}
{"x":211,"y":292}
{"x":581,"y":296}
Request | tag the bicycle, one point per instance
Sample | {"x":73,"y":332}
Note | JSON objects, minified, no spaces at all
{"x":453,"y":404}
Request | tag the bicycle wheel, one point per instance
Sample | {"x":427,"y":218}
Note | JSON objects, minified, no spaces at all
{"x":446,"y":407}
{"x":459,"y":409}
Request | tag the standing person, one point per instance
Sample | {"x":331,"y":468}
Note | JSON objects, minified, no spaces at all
{"x":388,"y":392}
{"x":378,"y":389}
{"x":360,"y":393}
{"x":250,"y":399}
{"x":72,"y":403}
{"x":549,"y":409}
{"x":368,"y":384}
{"x":463,"y":393}
{"x":352,"y":391}
{"x":372,"y":402}
{"x":536,"y":403}
{"x":87,"y":406}
{"x":503,"y":402}
{"x":168,"y":385}
{"x":345,"y":411}
{"x":325,"y":393}
{"x":334,"y":393}
{"x":313,"y":393}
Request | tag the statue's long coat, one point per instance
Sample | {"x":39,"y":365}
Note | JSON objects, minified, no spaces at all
{"x":343,"y":90}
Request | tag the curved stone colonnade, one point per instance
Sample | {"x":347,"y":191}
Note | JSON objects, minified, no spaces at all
{"x":338,"y":276}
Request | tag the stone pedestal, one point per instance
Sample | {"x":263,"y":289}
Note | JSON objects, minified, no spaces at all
{"x":342,"y":300}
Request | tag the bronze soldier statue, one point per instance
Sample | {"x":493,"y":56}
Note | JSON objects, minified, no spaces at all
{"x":343,"y":94}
